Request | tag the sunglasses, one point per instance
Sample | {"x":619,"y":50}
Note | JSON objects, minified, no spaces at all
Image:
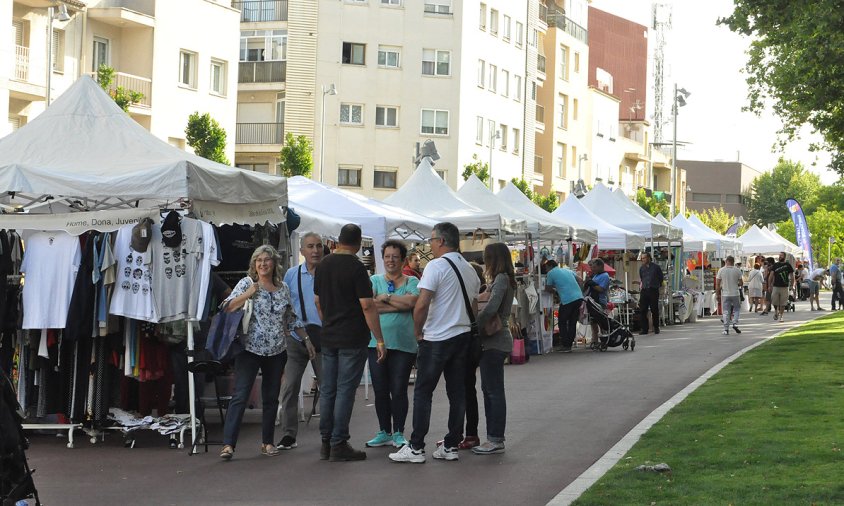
{"x":391,"y":287}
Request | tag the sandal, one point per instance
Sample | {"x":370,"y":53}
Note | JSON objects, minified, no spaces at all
{"x":227,"y":452}
{"x":269,"y":450}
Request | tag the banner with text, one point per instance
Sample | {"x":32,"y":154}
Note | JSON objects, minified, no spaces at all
{"x":77,"y":223}
{"x":244,"y":214}
{"x":801,"y":230}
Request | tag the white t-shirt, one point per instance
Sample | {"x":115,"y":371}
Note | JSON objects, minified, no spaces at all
{"x":817,"y":274}
{"x":729,"y":277}
{"x":209,"y":258}
{"x":174,"y":271}
{"x":447,"y":315}
{"x":132,"y":296}
{"x":50,"y":262}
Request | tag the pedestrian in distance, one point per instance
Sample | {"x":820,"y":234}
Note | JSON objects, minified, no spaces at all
{"x":651,"y":277}
{"x":728,"y":285}
{"x":411,"y":265}
{"x":782,"y":274}
{"x":814,"y":279}
{"x":343,"y":297}
{"x":754,"y":287}
{"x":443,"y":330}
{"x":768,"y":287}
{"x":597,"y":286}
{"x":567,"y":285}
{"x":835,"y":282}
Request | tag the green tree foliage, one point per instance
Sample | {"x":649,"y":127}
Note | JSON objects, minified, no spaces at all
{"x":547,"y":202}
{"x":652,"y":204}
{"x":478,"y":168}
{"x":296,"y":158}
{"x":823,"y":224}
{"x":766,"y":197}
{"x":121,"y":96}
{"x":206,"y":137}
{"x":718,"y":219}
{"x":795,"y":64}
{"x":830,"y":197}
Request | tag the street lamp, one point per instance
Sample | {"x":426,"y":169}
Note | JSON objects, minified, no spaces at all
{"x":493,"y":136}
{"x":331,"y":90}
{"x":680,"y":96}
{"x":58,"y":13}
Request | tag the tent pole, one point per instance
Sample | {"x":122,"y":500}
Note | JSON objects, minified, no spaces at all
{"x":191,"y":389}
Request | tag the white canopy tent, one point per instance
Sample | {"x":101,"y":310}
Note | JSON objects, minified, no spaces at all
{"x":725,"y":245}
{"x":693,"y":238}
{"x":609,"y":236}
{"x":788,"y":246}
{"x":622,"y":212}
{"x":425,"y":193}
{"x":757,"y":240}
{"x":476,"y":193}
{"x":518,"y":200}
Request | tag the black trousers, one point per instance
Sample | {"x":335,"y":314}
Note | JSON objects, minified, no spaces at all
{"x":837,"y":295}
{"x":649,"y":299}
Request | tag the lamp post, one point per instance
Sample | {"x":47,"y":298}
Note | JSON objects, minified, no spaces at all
{"x":59,"y":13}
{"x":580,"y":159}
{"x":493,"y":136}
{"x":680,"y":96}
{"x":331,"y":90}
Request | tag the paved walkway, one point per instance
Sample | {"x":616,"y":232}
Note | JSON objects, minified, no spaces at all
{"x":565,"y":411}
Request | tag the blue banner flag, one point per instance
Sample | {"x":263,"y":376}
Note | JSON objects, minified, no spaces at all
{"x":801,"y":230}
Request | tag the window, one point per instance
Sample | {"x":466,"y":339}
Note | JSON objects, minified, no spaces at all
{"x":481,"y":73}
{"x":564,"y":63}
{"x":434,"y":121}
{"x":436,"y":62}
{"x":714,"y":198}
{"x":386,"y":116}
{"x":493,"y":78}
{"x":351,"y":114}
{"x":576,"y":63}
{"x":58,"y":51}
{"x":505,"y":30}
{"x":490,"y":140}
{"x":348,"y":176}
{"x":441,"y":173}
{"x":14,"y":123}
{"x":505,"y":81}
{"x":389,"y":56}
{"x":574,"y":104}
{"x":520,"y":33}
{"x":479,"y":131}
{"x":256,"y":167}
{"x":263,"y":45}
{"x":533,"y":90}
{"x":517,"y":96}
{"x":534,"y":37}
{"x":385,"y":177}
{"x":563,"y":119}
{"x":537,"y":164}
{"x":187,"y":69}
{"x":732,"y":198}
{"x":101,"y":56}
{"x":482,"y":23}
{"x":517,"y":140}
{"x":394,"y":3}
{"x":493,"y":22}
{"x":218,"y":77}
{"x":354,"y":54}
{"x":561,"y":160}
{"x":540,"y":114}
{"x":504,"y":133}
{"x":438,"y":6}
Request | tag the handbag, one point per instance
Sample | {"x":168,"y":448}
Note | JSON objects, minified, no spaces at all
{"x":222,"y":341}
{"x":475,"y":342}
{"x":493,"y":325}
{"x":247,"y":315}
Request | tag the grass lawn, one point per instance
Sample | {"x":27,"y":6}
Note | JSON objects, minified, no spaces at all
{"x":767,"y":429}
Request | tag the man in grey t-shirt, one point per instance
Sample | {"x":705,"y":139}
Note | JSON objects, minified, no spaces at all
{"x":728,"y":284}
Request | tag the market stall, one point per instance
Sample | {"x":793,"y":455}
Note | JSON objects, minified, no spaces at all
{"x":759,"y":240}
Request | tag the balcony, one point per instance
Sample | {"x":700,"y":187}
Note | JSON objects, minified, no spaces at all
{"x":261,"y":10}
{"x":21,"y":70}
{"x":132,"y":83}
{"x":559,"y":20}
{"x":262,"y":72}
{"x":259,"y":133}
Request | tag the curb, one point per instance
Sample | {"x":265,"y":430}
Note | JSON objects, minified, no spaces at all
{"x":588,"y":478}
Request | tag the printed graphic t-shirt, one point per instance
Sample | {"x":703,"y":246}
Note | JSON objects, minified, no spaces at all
{"x":174,"y":271}
{"x":50,"y":263}
{"x":132,"y":296}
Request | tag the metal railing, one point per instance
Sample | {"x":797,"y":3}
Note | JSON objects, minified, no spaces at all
{"x":559,"y":20}
{"x":262,"y":72}
{"x":259,"y":133}
{"x":131,"y":82}
{"x":21,"y":70}
{"x":540,"y":63}
{"x":261,"y":10}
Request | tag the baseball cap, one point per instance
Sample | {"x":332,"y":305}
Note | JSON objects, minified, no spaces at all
{"x":171,"y":231}
{"x":141,"y":234}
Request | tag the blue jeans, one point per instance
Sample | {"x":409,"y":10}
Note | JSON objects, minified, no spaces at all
{"x":440,"y":358}
{"x":341,"y":372}
{"x":246,"y":367}
{"x":390,"y":381}
{"x":495,"y":401}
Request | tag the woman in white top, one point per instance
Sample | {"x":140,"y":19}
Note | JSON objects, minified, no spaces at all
{"x":754,"y":285}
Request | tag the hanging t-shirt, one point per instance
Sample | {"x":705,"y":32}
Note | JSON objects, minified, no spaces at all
{"x":199,"y":292}
{"x":50,"y":262}
{"x":174,"y":271}
{"x":132,"y":296}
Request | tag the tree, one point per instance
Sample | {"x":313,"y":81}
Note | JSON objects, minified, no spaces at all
{"x":121,"y":96}
{"x":829,"y":196}
{"x":296,"y":157}
{"x":478,"y":168}
{"x":547,"y":202}
{"x":767,"y":194}
{"x":652,"y":204}
{"x":823,"y":224}
{"x":718,"y":219}
{"x":206,"y":137}
{"x":794,"y":63}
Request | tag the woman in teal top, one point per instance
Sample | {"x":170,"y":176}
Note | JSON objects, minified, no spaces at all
{"x":395,"y":295}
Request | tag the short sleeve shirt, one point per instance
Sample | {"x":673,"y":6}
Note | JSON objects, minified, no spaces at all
{"x":782,"y":270}
{"x":602,"y":280}
{"x":447,"y":316}
{"x":565,"y":282}
{"x":270,"y":312}
{"x":397,"y":327}
{"x":728,"y":277}
{"x":340,"y":282}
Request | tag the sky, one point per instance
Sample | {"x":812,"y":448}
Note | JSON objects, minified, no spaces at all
{"x":707,"y":60}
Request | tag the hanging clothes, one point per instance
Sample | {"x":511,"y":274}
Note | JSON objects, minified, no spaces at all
{"x":50,"y":265}
{"x":132,"y":296}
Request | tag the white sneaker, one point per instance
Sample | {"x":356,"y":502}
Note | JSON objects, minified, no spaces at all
{"x":444,"y":453}
{"x":725,"y":332}
{"x":408,"y":454}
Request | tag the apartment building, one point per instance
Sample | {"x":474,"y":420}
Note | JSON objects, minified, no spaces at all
{"x":408,"y":71}
{"x":179,"y":55}
{"x":714,"y":184}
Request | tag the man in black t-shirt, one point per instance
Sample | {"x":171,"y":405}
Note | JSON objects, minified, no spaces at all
{"x":343,"y":297}
{"x":783,"y":274}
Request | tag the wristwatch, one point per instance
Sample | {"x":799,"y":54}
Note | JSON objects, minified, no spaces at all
{"x":306,"y":339}
{"x":389,"y":297}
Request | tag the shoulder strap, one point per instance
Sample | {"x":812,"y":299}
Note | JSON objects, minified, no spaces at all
{"x":301,"y":295}
{"x":463,"y":288}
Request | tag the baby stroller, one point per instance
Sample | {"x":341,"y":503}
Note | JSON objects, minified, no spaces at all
{"x":15,"y":475}
{"x":790,"y":305}
{"x":611,"y":332}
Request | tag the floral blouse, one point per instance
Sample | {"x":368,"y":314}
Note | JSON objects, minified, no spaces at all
{"x":272,"y":318}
